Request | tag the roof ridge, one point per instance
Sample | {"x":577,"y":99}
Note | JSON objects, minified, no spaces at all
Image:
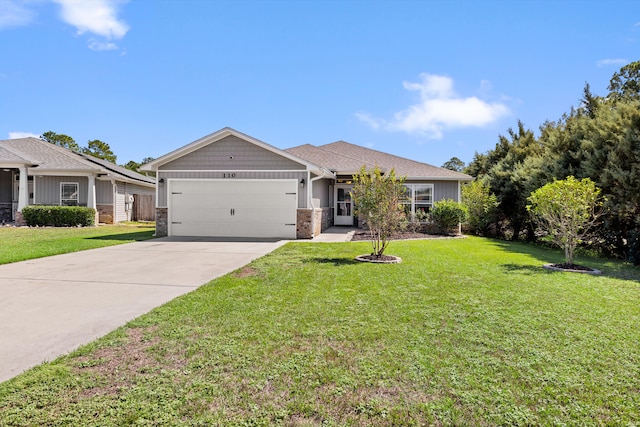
{"x":382,"y":152}
{"x":345,"y":155}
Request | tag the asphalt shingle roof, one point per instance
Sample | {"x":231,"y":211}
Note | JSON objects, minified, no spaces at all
{"x":345,"y":158}
{"x":50,"y":157}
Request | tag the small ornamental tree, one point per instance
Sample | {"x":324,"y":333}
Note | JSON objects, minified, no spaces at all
{"x":377,"y":200}
{"x":567,"y":210}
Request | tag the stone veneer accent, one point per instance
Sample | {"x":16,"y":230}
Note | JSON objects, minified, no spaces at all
{"x":162,"y":228}
{"x":323,"y":220}
{"x":19,"y":221}
{"x":105,"y":214}
{"x":304,"y":224}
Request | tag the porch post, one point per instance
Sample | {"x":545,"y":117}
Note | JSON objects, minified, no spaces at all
{"x":91,"y":196}
{"x":23,"y":197}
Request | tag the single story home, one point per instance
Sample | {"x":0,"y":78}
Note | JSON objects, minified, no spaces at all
{"x":228,"y":184}
{"x":36,"y":172}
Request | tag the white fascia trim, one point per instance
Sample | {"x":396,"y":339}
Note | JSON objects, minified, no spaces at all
{"x":440,"y":178}
{"x":60,"y":172}
{"x":231,"y":170}
{"x":214,"y":137}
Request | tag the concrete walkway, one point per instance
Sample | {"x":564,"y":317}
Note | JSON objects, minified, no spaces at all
{"x":336,"y":234}
{"x":50,"y":306}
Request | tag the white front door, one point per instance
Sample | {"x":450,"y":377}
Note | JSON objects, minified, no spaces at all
{"x":343,"y":205}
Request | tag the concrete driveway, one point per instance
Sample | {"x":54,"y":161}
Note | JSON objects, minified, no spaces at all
{"x":50,"y":306}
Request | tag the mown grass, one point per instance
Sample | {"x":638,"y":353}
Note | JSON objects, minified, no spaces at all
{"x":463,"y":332}
{"x":21,"y":243}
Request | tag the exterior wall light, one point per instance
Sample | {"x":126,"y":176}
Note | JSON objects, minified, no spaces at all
{"x":302,"y":183}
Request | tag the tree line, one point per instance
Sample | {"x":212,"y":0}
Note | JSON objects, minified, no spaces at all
{"x":600,"y":140}
{"x":95,"y":148}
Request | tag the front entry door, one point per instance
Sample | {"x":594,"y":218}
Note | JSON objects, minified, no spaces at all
{"x":343,"y":205}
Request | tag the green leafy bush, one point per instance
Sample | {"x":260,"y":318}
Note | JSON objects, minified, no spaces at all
{"x":447,"y":215}
{"x":58,"y":216}
{"x":481,"y":206}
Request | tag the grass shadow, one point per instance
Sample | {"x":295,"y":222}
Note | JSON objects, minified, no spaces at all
{"x":523,"y":269}
{"x":136,"y":236}
{"x":334,"y":261}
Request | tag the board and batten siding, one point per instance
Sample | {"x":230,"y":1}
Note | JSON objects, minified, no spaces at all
{"x":320,"y":195}
{"x":104,"y":192}
{"x":445,"y":190}
{"x":232,"y":153}
{"x":167,"y":175}
{"x":441,"y":189}
{"x":48,"y":189}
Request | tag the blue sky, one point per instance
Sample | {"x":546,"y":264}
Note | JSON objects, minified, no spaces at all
{"x":427,"y":80}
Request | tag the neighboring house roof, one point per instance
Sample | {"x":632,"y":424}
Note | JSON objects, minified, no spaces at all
{"x":44,"y":156}
{"x":8,"y":156}
{"x":344,"y":158}
{"x":119,"y":169}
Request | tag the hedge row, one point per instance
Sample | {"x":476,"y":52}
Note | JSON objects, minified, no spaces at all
{"x":58,"y":216}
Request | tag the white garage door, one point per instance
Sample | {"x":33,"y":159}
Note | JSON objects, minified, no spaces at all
{"x":233,"y":208}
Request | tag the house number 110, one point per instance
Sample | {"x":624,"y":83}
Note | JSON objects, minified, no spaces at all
{"x":229,"y":175}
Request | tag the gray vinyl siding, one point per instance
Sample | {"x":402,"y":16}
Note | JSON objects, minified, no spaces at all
{"x":320,"y":194}
{"x":140,"y":189}
{"x":166,"y":175}
{"x":120,"y":213}
{"x":104,"y":192}
{"x":441,"y":189}
{"x":232,"y":153}
{"x":48,"y":189}
{"x":6,"y":186}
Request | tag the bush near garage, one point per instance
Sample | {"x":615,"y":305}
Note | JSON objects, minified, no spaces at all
{"x":58,"y":216}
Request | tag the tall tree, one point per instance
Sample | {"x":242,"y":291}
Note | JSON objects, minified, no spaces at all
{"x":454,"y":164}
{"x":99,"y":149}
{"x":61,"y":140}
{"x":626,"y":82}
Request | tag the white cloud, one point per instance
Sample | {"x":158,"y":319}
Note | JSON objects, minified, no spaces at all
{"x":98,"y":45}
{"x":96,"y":16}
{"x":612,"y":61}
{"x":16,"y":135}
{"x":15,"y":14}
{"x":439,"y":109}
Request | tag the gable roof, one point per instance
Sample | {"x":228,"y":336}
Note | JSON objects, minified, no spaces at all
{"x":217,"y":136}
{"x":346,"y":159}
{"x":46,"y":157}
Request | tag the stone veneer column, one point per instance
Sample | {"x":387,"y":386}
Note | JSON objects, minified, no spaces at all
{"x":162,"y":228}
{"x":303,"y":224}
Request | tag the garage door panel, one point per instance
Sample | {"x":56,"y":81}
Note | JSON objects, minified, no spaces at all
{"x":233,"y":208}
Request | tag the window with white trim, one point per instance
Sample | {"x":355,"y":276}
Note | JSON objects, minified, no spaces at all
{"x":69,"y":193}
{"x":418,"y":198}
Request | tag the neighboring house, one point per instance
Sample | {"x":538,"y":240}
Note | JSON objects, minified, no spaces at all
{"x":229,"y":184}
{"x":36,"y":172}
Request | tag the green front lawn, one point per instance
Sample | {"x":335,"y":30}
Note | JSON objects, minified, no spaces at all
{"x":463,"y":332}
{"x":21,"y":243}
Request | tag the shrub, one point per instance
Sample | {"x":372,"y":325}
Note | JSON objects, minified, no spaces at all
{"x":448,"y":214}
{"x":567,"y":210}
{"x":58,"y":216}
{"x":481,"y":206}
